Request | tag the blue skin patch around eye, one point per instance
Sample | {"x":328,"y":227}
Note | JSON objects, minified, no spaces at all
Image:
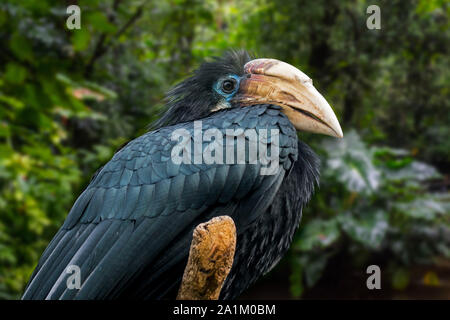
{"x":218,"y":87}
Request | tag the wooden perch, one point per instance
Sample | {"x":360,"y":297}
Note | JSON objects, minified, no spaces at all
{"x":210,"y":259}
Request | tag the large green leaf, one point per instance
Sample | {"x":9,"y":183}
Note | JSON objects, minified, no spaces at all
{"x":350,"y":161}
{"x":368,"y":228}
{"x":317,"y":234}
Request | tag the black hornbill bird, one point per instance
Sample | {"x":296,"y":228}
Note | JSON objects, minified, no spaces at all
{"x":129,"y":232}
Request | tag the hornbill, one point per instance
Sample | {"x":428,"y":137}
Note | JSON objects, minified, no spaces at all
{"x":129,"y":232}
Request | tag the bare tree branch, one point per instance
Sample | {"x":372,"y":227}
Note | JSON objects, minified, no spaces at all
{"x":210,"y":259}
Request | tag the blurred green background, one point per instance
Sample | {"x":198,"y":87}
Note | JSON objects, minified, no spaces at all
{"x":70,"y":98}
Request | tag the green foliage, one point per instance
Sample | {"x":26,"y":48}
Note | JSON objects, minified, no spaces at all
{"x":372,"y":201}
{"x":389,"y":84}
{"x":39,"y":165}
{"x":69,"y":98}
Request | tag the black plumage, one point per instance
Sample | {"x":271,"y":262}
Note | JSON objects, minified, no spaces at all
{"x":130,"y":230}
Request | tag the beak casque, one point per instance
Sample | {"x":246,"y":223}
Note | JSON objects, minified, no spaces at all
{"x":276,"y":82}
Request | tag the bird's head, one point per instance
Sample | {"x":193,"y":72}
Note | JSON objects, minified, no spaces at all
{"x":235,"y":80}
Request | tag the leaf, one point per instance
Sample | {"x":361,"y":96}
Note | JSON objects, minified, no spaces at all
{"x":85,"y":93}
{"x":427,"y":6}
{"x":86,"y":89}
{"x":21,"y":47}
{"x":13,"y":102}
{"x":316,"y":234}
{"x":15,"y":73}
{"x":65,"y":79}
{"x":107,"y":93}
{"x":416,"y":170}
{"x":350,"y":162}
{"x":426,"y":207}
{"x":313,"y":266}
{"x":80,"y":39}
{"x":99,"y":21}
{"x":370,"y":229}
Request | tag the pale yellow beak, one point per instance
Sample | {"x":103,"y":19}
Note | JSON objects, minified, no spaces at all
{"x":277,"y":82}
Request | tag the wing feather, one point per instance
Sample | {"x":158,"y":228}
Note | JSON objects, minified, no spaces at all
{"x":134,"y":221}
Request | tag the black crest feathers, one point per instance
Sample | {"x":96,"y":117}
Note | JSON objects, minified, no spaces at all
{"x":194,"y":97}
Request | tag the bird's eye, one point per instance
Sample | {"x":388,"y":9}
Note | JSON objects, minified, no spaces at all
{"x":229,"y":85}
